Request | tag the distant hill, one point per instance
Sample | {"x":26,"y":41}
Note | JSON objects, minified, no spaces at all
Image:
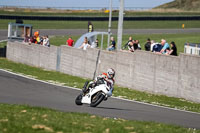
{"x":187,"y":5}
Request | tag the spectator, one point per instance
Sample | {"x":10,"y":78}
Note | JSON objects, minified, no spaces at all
{"x":26,"y":38}
{"x":113,"y":43}
{"x":152,"y":45}
{"x":36,"y":34}
{"x":70,"y":42}
{"x":85,"y":44}
{"x":130,"y":46}
{"x":165,"y":46}
{"x":136,"y":45}
{"x":129,"y":40}
{"x":32,"y":40}
{"x":148,"y":45}
{"x":156,"y":47}
{"x":90,"y":27}
{"x":173,"y":50}
{"x":46,"y":41}
{"x":95,"y":44}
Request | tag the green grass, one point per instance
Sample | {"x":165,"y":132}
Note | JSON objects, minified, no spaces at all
{"x":3,"y":44}
{"x":179,"y":39}
{"x":78,"y":82}
{"x":27,"y":119}
{"x":104,"y":24}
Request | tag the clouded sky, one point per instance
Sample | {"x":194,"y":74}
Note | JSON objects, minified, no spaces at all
{"x":83,"y":3}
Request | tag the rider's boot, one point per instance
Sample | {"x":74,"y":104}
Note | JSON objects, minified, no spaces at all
{"x":105,"y":98}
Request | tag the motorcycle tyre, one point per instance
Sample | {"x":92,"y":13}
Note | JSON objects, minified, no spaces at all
{"x":78,"y":99}
{"x":98,"y":101}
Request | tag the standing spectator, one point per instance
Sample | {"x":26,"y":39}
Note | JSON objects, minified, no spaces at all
{"x":85,"y":44}
{"x":70,"y":42}
{"x":129,"y":40}
{"x":90,"y":27}
{"x":113,"y":43}
{"x":46,"y":41}
{"x":173,"y":50}
{"x":148,"y":45}
{"x":165,"y":46}
{"x":36,"y":34}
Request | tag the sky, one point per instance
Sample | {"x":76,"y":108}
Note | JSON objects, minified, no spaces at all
{"x":83,"y":3}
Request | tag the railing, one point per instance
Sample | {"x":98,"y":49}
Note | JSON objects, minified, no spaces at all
{"x":192,"y":48}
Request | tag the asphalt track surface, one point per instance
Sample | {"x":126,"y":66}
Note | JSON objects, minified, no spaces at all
{"x":71,"y":32}
{"x":16,"y":89}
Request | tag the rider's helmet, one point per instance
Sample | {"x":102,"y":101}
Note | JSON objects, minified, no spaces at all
{"x":111,"y":73}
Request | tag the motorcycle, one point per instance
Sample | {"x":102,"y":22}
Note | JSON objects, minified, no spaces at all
{"x":94,"y":95}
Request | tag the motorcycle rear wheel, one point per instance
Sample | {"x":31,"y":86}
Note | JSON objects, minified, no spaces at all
{"x":97,"y":99}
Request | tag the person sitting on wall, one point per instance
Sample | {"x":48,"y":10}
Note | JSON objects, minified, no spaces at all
{"x":136,"y":45}
{"x":46,"y":41}
{"x":165,"y":46}
{"x":129,"y":40}
{"x":130,"y":47}
{"x":157,"y":47}
{"x":85,"y":44}
{"x":152,"y":45}
{"x":32,"y":40}
{"x":113,"y":44}
{"x":148,"y":45}
{"x":70,"y":42}
{"x":95,"y":44}
{"x":173,"y":50}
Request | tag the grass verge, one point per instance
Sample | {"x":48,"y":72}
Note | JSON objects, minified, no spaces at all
{"x":26,"y":119}
{"x":78,"y":82}
{"x":3,"y":44}
{"x":104,"y":24}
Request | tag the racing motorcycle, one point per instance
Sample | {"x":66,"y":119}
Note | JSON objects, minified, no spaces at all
{"x":94,"y":95}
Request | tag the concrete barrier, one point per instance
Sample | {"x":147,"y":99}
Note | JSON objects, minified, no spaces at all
{"x":35,"y":55}
{"x":141,"y":70}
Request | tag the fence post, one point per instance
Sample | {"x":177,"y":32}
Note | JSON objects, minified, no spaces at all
{"x":58,"y":59}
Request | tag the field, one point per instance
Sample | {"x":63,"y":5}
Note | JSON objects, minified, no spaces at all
{"x":27,"y":119}
{"x":39,"y":24}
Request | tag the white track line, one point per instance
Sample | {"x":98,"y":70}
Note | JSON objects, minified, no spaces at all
{"x":21,"y":75}
{"x":3,"y":40}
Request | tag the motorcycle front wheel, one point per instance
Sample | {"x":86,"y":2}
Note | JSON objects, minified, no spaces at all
{"x":78,"y":99}
{"x":97,"y":99}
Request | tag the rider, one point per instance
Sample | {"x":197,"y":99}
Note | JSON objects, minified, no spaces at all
{"x":108,"y":77}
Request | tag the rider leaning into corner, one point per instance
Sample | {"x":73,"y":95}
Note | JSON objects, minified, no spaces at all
{"x":108,"y":77}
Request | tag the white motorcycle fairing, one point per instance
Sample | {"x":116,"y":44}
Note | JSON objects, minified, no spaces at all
{"x":103,"y":87}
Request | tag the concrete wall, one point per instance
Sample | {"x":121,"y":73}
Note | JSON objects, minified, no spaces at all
{"x":141,"y":70}
{"x":35,"y":55}
{"x":78,"y":62}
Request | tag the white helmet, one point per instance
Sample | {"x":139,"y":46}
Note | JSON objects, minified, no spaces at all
{"x":111,"y":73}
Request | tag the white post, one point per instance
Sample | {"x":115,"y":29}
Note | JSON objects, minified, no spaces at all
{"x":109,"y":24}
{"x":102,"y":41}
{"x":120,"y":25}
